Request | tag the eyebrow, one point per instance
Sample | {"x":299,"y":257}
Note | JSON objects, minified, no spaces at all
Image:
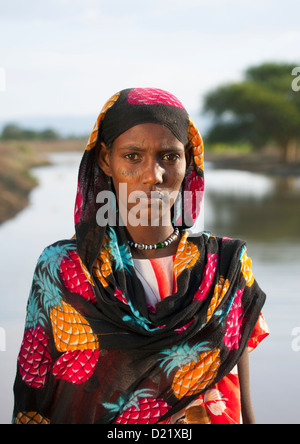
{"x":166,"y":149}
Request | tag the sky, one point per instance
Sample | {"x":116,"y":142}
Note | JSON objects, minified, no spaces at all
{"x":65,"y":58}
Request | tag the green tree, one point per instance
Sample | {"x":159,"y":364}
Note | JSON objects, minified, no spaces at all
{"x":12,"y":132}
{"x":261,"y":109}
{"x":49,"y":134}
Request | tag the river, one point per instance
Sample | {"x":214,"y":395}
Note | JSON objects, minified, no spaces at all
{"x":263,"y":210}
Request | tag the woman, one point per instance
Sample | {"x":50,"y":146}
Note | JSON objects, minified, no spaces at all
{"x":136,"y":320}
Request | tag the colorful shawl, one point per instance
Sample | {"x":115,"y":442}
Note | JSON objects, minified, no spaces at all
{"x":92,"y":351}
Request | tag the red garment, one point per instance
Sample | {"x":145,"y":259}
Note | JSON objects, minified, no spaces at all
{"x":223,"y":401}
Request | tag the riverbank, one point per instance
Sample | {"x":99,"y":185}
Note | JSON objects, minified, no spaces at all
{"x":265,"y":162}
{"x":17,"y":160}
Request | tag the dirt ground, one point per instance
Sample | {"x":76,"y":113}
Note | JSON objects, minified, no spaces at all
{"x":17,"y":158}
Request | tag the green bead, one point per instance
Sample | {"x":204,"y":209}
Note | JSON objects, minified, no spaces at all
{"x":161,"y":245}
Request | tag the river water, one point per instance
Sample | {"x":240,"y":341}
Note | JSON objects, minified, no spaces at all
{"x":261,"y":209}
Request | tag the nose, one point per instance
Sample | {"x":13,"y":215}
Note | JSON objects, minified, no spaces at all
{"x":153,"y":173}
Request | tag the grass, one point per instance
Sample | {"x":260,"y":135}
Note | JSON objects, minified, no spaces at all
{"x":230,"y":149}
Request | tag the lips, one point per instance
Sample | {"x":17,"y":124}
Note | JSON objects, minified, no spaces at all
{"x":151,"y":196}
{"x":155,"y":195}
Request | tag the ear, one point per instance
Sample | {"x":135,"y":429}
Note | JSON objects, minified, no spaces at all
{"x":104,"y":159}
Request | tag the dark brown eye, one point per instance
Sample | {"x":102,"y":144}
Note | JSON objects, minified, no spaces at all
{"x":132,"y":156}
{"x":171,"y":157}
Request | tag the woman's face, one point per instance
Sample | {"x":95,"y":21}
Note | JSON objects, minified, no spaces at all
{"x":147,"y":165}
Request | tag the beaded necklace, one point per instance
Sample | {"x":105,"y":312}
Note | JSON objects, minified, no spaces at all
{"x":164,"y":244}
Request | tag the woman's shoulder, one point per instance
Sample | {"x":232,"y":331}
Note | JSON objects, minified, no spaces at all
{"x":224,"y":242}
{"x":55,"y":253}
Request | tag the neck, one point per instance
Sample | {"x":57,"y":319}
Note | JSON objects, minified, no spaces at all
{"x":152,"y":236}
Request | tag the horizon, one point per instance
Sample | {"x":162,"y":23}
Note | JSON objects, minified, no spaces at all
{"x":76,"y":125}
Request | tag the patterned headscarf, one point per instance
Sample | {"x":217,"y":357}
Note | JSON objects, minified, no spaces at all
{"x":123,"y":111}
{"x":92,"y":351}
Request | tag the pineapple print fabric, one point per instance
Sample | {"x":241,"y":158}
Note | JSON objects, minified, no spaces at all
{"x":93,"y":350}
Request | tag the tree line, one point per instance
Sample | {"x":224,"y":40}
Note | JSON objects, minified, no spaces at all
{"x":15,"y":132}
{"x":262,"y":109}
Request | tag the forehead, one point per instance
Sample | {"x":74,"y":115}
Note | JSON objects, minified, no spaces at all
{"x":148,"y":134}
